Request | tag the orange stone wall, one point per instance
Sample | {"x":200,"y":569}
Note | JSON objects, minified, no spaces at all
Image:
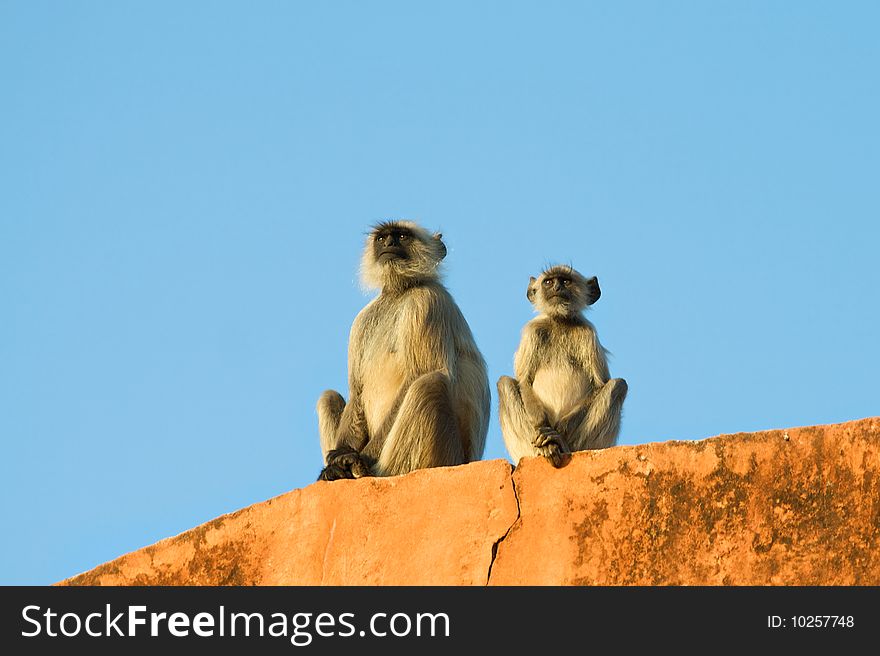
{"x":783,"y":507}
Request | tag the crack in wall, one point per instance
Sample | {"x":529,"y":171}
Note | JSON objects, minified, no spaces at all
{"x":509,"y":528}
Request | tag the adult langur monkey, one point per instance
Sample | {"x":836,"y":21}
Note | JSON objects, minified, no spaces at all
{"x":418,"y":388}
{"x":562,"y":398}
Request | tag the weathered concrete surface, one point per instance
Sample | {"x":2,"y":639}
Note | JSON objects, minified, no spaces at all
{"x":435,"y":526}
{"x":793,"y":507}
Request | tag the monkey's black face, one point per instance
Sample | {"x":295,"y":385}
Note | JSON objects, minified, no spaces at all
{"x":390,"y":244}
{"x":557,"y":289}
{"x":561,"y":290}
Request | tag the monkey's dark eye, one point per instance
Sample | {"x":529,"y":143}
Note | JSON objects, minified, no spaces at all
{"x":566,"y":281}
{"x":403,"y":237}
{"x":548,"y":282}
{"x":380,"y":238}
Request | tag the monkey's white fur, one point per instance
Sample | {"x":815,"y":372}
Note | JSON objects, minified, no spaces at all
{"x":418,"y":388}
{"x":562,"y":398}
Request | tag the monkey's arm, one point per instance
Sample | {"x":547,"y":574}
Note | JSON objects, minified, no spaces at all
{"x":431,"y":346}
{"x":594,"y":357}
{"x":546,"y":437}
{"x":427,"y":345}
{"x":352,"y":430}
{"x":526,"y":367}
{"x":535,"y":410}
{"x":549,"y":441}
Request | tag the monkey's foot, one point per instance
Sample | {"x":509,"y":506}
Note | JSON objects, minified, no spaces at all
{"x":344,"y":462}
{"x":550,"y":444}
{"x":555,"y":455}
{"x":333,"y":473}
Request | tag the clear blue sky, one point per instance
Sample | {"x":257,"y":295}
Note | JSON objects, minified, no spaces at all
{"x":186,"y":186}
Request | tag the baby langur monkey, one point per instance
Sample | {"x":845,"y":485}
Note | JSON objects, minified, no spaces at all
{"x":562,"y":398}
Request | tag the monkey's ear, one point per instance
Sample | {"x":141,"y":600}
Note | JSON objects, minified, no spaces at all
{"x":441,"y":247}
{"x":593,"y":291}
{"x":531,"y":289}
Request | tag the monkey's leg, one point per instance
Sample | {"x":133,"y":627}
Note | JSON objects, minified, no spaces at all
{"x":519,"y":434}
{"x":598,"y":427}
{"x":341,"y":460}
{"x":330,"y":407}
{"x":425,"y":432}
{"x":515,"y":426}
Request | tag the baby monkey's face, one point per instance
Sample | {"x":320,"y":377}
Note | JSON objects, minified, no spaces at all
{"x":557,"y":289}
{"x":562,"y":291}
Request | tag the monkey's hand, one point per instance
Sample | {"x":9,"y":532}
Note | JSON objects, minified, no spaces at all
{"x":550,"y":444}
{"x":344,"y":462}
